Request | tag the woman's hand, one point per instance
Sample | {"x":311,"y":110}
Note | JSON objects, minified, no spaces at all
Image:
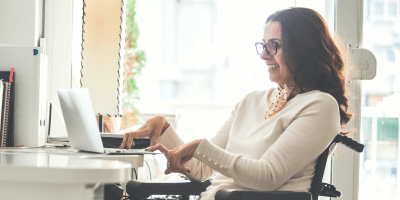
{"x":177,"y":157}
{"x":153,"y":129}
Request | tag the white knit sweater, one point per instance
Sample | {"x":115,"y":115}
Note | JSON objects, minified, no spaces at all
{"x":249,"y":153}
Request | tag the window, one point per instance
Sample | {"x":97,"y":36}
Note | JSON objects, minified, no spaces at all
{"x":393,"y":9}
{"x":379,"y":177}
{"x":382,"y":10}
{"x":391,"y":55}
{"x":378,"y":9}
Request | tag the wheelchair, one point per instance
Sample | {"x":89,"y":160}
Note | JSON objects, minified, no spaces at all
{"x":138,"y":190}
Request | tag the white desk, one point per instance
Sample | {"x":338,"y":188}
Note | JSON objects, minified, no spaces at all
{"x":51,"y":173}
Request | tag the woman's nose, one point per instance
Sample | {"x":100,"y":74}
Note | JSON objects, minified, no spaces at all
{"x":264,"y":55}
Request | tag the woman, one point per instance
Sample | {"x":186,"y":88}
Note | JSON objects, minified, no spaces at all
{"x":272,"y":138}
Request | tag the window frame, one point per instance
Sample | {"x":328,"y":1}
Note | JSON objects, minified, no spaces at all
{"x":346,"y":166}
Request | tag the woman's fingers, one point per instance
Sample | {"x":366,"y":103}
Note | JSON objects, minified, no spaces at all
{"x":159,"y":147}
{"x":152,"y":129}
{"x":173,"y":157}
{"x":153,"y":141}
{"x":176,"y":160}
{"x":130,"y":140}
{"x":155,"y":136}
{"x":123,"y":144}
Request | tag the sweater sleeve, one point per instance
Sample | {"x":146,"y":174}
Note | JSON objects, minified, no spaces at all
{"x":220,"y":139}
{"x":304,"y":139}
{"x":199,"y":171}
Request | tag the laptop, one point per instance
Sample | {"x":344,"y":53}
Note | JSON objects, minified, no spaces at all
{"x":80,"y":121}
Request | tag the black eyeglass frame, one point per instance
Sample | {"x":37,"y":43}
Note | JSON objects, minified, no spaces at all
{"x":266,"y":49}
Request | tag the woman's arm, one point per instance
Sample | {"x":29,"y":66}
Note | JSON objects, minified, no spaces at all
{"x":307,"y":136}
{"x":177,"y":157}
{"x":198,"y":170}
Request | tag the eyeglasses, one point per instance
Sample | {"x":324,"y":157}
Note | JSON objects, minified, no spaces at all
{"x":270,"y":47}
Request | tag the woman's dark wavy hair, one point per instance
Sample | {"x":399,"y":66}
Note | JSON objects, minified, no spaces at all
{"x":312,"y":55}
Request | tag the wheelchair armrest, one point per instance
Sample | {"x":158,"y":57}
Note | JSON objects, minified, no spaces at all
{"x":262,"y":195}
{"x":329,"y":190}
{"x":142,"y":189}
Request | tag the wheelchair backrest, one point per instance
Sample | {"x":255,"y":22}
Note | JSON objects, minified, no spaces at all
{"x":316,"y":184}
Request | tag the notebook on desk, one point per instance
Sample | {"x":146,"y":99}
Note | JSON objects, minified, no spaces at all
{"x":80,"y":121}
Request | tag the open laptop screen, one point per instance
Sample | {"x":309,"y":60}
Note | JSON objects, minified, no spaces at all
{"x":80,"y":120}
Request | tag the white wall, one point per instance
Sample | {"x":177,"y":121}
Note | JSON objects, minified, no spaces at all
{"x":21,"y":22}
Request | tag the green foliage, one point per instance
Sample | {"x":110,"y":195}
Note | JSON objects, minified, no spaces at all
{"x":141,"y":60}
{"x":132,"y":29}
{"x":135,"y":60}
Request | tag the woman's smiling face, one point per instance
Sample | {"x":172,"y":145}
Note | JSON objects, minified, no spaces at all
{"x":278,"y":71}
